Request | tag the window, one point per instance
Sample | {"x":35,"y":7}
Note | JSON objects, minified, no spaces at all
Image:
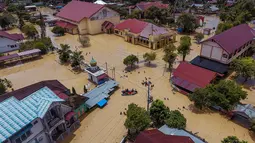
{"x":23,"y":137}
{"x":35,"y":122}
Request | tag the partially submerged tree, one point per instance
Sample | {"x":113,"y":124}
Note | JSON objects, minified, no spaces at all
{"x":232,"y":139}
{"x":148,"y":57}
{"x":64,"y":53}
{"x":137,"y":120}
{"x":199,"y":37}
{"x":184,"y":47}
{"x":30,"y":31}
{"x":176,"y":120}
{"x":188,"y":22}
{"x":41,"y":46}
{"x":159,"y":112}
{"x":225,"y":94}
{"x":5,"y":84}
{"x":76,"y":59}
{"x":244,"y":67}
{"x":130,"y":60}
{"x":58,"y":30}
{"x":84,"y":40}
{"x":169,"y":55}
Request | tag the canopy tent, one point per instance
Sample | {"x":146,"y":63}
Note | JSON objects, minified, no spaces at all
{"x":100,"y":2}
{"x":102,"y":103}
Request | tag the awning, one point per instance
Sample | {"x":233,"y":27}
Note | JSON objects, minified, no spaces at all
{"x":210,"y":65}
{"x":66,"y":25}
{"x":102,"y":103}
{"x":69,"y":115}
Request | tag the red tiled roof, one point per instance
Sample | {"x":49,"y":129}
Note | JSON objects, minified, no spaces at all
{"x":15,"y":37}
{"x":232,"y":39}
{"x":146,"y":5}
{"x":155,"y":136}
{"x":54,"y":85}
{"x":134,"y":25}
{"x":64,"y":24}
{"x":193,"y":75}
{"x":77,"y":10}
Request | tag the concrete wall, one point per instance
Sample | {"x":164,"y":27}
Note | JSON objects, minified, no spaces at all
{"x":4,"y":42}
{"x":83,"y":26}
{"x":41,"y":138}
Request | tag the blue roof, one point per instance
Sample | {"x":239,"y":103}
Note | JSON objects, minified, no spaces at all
{"x":179,"y":132}
{"x":99,"y":93}
{"x":102,"y":103}
{"x":16,"y":114}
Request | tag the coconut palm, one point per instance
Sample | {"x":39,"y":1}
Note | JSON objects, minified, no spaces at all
{"x":76,"y":59}
{"x":64,"y":53}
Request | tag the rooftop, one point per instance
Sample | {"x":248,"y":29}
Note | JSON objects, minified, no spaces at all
{"x":232,"y":39}
{"x":179,"y":132}
{"x":77,"y":10}
{"x":155,"y":136}
{"x":16,"y":114}
{"x":191,"y":77}
{"x":248,"y":110}
{"x":15,"y":37}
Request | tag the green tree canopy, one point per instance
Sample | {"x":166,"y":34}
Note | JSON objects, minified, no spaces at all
{"x":64,"y":53}
{"x":176,"y":120}
{"x":232,"y":139}
{"x":225,"y":94}
{"x":12,"y":8}
{"x":244,"y":67}
{"x":30,"y":31}
{"x":58,"y":30}
{"x":184,"y":47}
{"x":169,"y":54}
{"x":135,"y":14}
{"x":5,"y":84}
{"x":137,"y":120}
{"x":7,"y":20}
{"x":199,"y":37}
{"x":148,"y":57}
{"x":41,"y":46}
{"x":29,"y":45}
{"x":223,"y":27}
{"x":159,"y":112}
{"x":76,"y":59}
{"x":130,"y":60}
{"x":188,"y":22}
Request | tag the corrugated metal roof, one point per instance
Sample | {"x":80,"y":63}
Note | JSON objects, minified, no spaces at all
{"x":179,"y":132}
{"x":16,"y":114}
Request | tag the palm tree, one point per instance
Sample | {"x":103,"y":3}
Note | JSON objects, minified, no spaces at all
{"x":76,"y":59}
{"x":64,"y":53}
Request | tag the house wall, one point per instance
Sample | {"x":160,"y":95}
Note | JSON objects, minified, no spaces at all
{"x":4,"y":42}
{"x":96,"y":21}
{"x":41,"y":138}
{"x":83,"y":26}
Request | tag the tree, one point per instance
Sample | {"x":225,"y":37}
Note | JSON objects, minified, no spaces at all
{"x":84,"y":40}
{"x":30,"y":31}
{"x":176,"y":120}
{"x":188,"y":22}
{"x":12,"y":8}
{"x":137,"y":120}
{"x":184,"y":47}
{"x":135,"y":14}
{"x":158,"y":112}
{"x":170,"y":54}
{"x":5,"y":84}
{"x":130,"y":60}
{"x":225,"y":94}
{"x":64,"y":53}
{"x":42,"y":26}
{"x":152,"y":13}
{"x":232,"y":139}
{"x":58,"y":30}
{"x":244,"y":67}
{"x":199,"y":37}
{"x":148,"y":57}
{"x":76,"y":59}
{"x":20,"y":19}
{"x":41,"y":46}
{"x":223,"y":27}
{"x":7,"y":20}
{"x":73,"y":91}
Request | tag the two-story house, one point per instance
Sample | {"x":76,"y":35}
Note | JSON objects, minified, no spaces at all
{"x":9,"y":42}
{"x":40,"y":116}
{"x":86,"y":18}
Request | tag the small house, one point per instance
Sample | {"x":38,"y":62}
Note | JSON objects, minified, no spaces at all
{"x":9,"y":42}
{"x":95,"y":73}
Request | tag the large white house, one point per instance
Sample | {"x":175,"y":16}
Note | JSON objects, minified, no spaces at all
{"x":9,"y":42}
{"x":228,"y":45}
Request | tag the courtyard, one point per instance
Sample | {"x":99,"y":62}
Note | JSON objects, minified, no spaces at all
{"x":107,"y":125}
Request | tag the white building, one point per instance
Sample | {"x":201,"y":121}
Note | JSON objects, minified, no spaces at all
{"x":228,"y":45}
{"x":95,"y":73}
{"x":9,"y":42}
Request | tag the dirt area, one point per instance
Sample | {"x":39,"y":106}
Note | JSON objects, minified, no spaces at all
{"x":106,"y":125}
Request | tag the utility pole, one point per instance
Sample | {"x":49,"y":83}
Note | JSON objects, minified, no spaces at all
{"x":106,"y":67}
{"x":148,"y":97}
